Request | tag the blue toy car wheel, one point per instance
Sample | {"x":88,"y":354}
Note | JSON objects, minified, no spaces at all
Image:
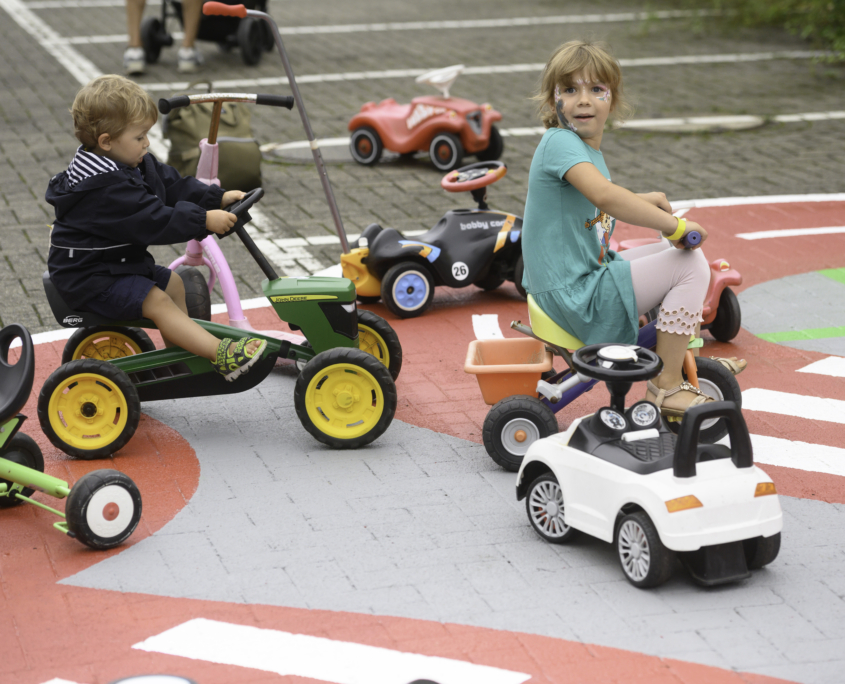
{"x":407,"y":289}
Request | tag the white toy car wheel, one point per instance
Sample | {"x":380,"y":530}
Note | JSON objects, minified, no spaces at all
{"x":644,"y":559}
{"x":544,"y":505}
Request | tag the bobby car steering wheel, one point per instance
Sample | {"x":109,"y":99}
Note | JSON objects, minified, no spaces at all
{"x":473,"y":176}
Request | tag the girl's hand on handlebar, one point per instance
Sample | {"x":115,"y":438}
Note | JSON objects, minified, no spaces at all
{"x":691,"y":225}
{"x":658,"y":199}
{"x":231,"y":196}
{"x":219,"y":221}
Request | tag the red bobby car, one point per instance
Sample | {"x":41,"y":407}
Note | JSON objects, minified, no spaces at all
{"x":446,"y":127}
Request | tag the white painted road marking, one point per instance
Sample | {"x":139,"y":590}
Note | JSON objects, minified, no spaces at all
{"x":301,"y":655}
{"x":815,"y":458}
{"x":791,"y":232}
{"x":832,"y":365}
{"x":486,"y":327}
{"x":492,"y":69}
{"x":798,"y":405}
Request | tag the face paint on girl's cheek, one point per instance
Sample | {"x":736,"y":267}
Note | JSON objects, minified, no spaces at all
{"x":559,"y":111}
{"x":604,"y":96}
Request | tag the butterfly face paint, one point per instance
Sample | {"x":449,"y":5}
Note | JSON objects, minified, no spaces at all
{"x":564,"y":122}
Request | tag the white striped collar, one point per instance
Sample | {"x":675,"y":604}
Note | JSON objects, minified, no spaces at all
{"x":87,"y":164}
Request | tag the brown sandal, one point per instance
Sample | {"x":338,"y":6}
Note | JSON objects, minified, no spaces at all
{"x":661,"y":394}
{"x":733,"y":364}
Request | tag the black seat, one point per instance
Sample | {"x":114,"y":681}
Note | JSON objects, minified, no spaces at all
{"x":69,"y":318}
{"x":15,"y":379}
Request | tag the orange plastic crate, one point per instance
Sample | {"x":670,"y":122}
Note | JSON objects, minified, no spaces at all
{"x":507,"y":367}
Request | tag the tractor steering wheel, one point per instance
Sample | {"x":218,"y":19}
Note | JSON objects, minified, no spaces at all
{"x":473,"y":176}
{"x":617,"y":363}
{"x":240,"y":208}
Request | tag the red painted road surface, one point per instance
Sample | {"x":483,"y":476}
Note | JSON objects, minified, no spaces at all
{"x":48,"y":630}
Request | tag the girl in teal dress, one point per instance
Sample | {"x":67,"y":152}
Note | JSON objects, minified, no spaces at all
{"x":570,"y":213}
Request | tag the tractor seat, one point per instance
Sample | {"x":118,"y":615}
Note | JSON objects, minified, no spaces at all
{"x":15,"y":379}
{"x":549,"y":331}
{"x":68,"y":318}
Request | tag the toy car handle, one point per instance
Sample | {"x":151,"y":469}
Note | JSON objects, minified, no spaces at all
{"x":166,"y":105}
{"x":239,"y":209}
{"x":691,"y":239}
{"x":686,"y":447}
{"x":218,"y":8}
{"x":648,"y":364}
{"x":463,"y":180}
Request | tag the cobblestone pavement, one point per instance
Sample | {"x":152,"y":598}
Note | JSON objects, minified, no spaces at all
{"x":37,"y":88}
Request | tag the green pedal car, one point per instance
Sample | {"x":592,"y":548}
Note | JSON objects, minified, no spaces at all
{"x":345,"y":397}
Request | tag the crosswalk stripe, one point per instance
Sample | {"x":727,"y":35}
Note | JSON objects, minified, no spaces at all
{"x":791,"y":232}
{"x":313,"y":657}
{"x":832,"y":365}
{"x":786,"y":453}
{"x":797,"y":405}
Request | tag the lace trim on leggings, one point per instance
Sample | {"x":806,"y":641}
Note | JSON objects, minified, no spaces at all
{"x":678,"y":321}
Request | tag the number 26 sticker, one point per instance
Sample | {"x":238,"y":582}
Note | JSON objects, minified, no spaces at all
{"x":460,"y":270}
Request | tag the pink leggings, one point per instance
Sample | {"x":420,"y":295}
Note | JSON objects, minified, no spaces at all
{"x":676,"y":279}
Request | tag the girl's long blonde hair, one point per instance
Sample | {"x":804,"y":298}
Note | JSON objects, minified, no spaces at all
{"x":593,"y":59}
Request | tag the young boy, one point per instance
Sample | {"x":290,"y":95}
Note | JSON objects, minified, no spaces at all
{"x":114,"y":201}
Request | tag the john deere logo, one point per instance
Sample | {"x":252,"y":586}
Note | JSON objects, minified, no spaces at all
{"x":72,"y":320}
{"x":300,"y":298}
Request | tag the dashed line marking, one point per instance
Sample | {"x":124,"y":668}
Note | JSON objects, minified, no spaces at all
{"x":301,"y":655}
{"x":495,"y":69}
{"x":486,"y":327}
{"x":791,"y":232}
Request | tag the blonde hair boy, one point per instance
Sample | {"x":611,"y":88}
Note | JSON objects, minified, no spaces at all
{"x":110,"y":104}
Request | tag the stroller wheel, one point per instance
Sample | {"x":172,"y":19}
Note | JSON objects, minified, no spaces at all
{"x":153,"y":37}
{"x":250,"y":40}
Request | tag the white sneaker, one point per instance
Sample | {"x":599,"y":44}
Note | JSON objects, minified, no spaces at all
{"x":133,"y":61}
{"x":190,"y":59}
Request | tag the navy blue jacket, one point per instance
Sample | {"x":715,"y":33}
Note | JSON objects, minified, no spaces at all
{"x":106,"y":219}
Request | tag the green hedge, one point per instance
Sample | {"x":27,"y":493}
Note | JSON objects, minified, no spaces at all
{"x":820,"y":21}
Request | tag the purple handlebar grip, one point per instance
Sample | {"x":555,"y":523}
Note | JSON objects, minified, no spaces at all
{"x":692,"y":238}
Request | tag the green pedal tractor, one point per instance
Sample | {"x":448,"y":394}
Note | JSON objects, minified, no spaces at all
{"x":346,"y":398}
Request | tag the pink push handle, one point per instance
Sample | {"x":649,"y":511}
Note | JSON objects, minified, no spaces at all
{"x":219,"y":9}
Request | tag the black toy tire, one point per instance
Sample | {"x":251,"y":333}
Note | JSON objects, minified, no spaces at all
{"x":491,"y":280}
{"x":761,"y":551}
{"x":103,"y":509}
{"x":509,"y":416}
{"x":518,"y":271}
{"x":197,"y":296}
{"x":380,"y":341}
{"x":151,"y":27}
{"x":365,"y":146}
{"x":718,"y":382}
{"x":660,"y":559}
{"x":540,"y":491}
{"x":446,"y":152}
{"x":135,"y":341}
{"x":319,"y":368}
{"x":494,"y":148}
{"x":250,"y":40}
{"x":23,"y":450}
{"x":728,"y":320}
{"x":60,"y":380}
{"x":394,"y":273}
{"x":268,"y":39}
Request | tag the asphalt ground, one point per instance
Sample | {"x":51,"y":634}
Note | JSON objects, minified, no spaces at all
{"x":36,"y":140}
{"x":269,"y":540}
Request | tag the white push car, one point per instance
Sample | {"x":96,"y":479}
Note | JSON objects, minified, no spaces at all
{"x":624,"y":477}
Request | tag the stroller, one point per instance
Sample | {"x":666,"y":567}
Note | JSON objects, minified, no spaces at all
{"x":251,"y":35}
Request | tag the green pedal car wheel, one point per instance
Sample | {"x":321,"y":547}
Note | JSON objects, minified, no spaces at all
{"x":106,"y":342}
{"x":345,"y":398}
{"x":89,"y":409}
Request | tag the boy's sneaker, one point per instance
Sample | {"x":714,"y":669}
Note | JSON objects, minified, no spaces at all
{"x":134,"y":62}
{"x":190,"y":59}
{"x":231,"y":365}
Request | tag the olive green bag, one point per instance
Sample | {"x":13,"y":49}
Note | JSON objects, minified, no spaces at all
{"x":238,"y":153}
